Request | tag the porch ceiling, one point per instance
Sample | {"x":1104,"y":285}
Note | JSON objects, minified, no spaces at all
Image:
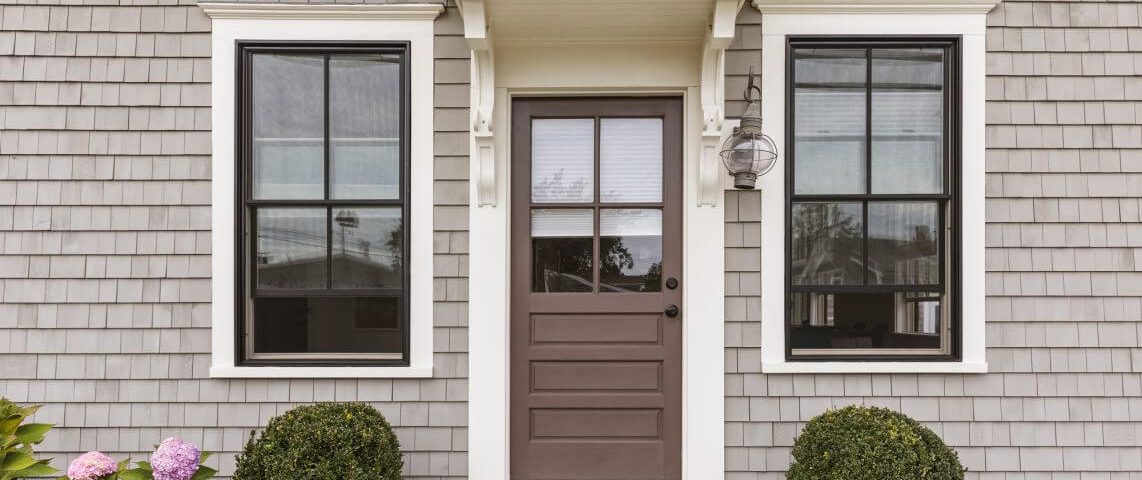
{"x":598,"y":21}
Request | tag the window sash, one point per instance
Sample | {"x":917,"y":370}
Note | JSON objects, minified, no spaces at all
{"x":947,"y":200}
{"x":246,"y":285}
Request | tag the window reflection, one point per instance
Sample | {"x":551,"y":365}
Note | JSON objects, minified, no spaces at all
{"x":827,"y":244}
{"x":865,"y":320}
{"x":562,"y":245}
{"x":630,"y":250}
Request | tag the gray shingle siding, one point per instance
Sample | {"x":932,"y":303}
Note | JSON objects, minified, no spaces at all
{"x":105,"y":242}
{"x":1064,"y":270}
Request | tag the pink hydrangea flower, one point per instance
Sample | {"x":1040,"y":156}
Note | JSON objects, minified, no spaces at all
{"x":175,"y":460}
{"x":91,"y":466}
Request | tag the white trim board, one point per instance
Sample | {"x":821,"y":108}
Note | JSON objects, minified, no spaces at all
{"x":597,"y":70}
{"x":969,"y":22}
{"x":311,"y":23}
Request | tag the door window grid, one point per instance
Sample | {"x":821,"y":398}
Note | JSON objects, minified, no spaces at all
{"x":816,"y":300}
{"x":362,"y":228}
{"x":561,"y":261}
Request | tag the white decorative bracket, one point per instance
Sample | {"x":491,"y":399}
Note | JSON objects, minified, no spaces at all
{"x":482,"y":99}
{"x":713,"y":89}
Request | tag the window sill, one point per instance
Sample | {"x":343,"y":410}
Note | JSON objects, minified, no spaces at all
{"x":321,"y":372}
{"x":874,"y":367}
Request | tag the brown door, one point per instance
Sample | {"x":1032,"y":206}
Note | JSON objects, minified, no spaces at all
{"x":596,"y":332}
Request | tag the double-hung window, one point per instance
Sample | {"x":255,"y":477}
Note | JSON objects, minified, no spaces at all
{"x":324,"y":212}
{"x":872,"y":186}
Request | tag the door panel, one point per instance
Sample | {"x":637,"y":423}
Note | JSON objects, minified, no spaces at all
{"x":596,"y":366}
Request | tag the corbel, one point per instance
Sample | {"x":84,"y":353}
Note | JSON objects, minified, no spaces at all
{"x":719,"y":36}
{"x":483,"y":86}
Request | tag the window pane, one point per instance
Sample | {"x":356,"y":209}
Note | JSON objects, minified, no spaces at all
{"x":829,"y":121}
{"x":359,"y":325}
{"x":562,"y":160}
{"x":865,"y":321}
{"x":288,"y":126}
{"x":903,"y":243}
{"x":367,"y":248}
{"x":364,"y":126}
{"x":907,"y":121}
{"x":630,"y":159}
{"x":630,"y":250}
{"x":826,"y":244}
{"x":291,"y":248}
{"x":561,"y":249}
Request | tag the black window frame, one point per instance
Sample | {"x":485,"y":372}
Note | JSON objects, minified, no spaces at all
{"x":245,"y":241}
{"x":950,"y":209}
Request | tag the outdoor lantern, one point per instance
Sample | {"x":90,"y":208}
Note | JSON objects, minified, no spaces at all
{"x":749,"y":153}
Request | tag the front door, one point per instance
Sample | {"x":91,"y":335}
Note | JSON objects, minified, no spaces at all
{"x":596,"y":299}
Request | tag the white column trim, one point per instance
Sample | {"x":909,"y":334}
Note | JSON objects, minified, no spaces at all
{"x":968,"y":21}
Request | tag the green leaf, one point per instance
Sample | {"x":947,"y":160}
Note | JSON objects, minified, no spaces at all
{"x":145,"y":466}
{"x":38,"y":469}
{"x":32,"y":432}
{"x":14,"y":461}
{"x":8,"y":425}
{"x":204,"y":473}
{"x":202,"y":458}
{"x":135,"y":474}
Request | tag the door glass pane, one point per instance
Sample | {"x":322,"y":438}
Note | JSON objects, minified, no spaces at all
{"x":630,"y":160}
{"x":829,"y":121}
{"x":630,"y":250}
{"x":826,"y":244}
{"x":903,"y":243}
{"x":561,"y":250}
{"x":907,"y":121}
{"x":563,"y":160}
{"x":364,"y":126}
{"x":327,"y":325}
{"x":367,"y":248}
{"x":291,"y":248}
{"x":865,"y":321}
{"x":288,"y":126}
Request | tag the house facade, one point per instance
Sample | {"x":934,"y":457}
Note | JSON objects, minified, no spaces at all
{"x":507,"y":225}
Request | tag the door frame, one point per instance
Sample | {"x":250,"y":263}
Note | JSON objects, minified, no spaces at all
{"x":596,"y":71}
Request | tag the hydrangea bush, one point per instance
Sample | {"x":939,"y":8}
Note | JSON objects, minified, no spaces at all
{"x":173,"y":459}
{"x":93,"y":466}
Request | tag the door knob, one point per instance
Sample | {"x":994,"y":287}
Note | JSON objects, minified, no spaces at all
{"x":671,"y":311}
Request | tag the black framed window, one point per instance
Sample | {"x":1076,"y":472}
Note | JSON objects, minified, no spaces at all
{"x":322,"y":174}
{"x":872,"y":186}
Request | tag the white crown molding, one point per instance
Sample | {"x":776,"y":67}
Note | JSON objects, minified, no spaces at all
{"x":876,"y":7}
{"x":402,"y":11}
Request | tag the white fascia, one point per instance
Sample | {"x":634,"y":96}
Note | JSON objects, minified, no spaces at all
{"x":231,"y":23}
{"x":967,"y":20}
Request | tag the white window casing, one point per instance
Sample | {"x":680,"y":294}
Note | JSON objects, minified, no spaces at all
{"x":411,"y":23}
{"x":966,"y":20}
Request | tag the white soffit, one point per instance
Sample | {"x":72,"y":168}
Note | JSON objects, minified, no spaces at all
{"x":599,"y":21}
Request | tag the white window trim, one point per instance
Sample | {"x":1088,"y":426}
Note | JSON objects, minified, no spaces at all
{"x":968,"y":20}
{"x":403,"y":22}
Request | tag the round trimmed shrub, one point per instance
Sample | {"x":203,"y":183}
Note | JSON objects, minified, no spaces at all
{"x":870,"y":443}
{"x":326,"y":441}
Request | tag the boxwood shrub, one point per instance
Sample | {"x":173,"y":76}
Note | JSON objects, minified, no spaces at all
{"x":870,"y":443}
{"x":326,"y":441}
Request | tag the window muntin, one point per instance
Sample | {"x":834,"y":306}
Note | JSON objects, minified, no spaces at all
{"x":597,"y":196}
{"x":324,"y":156}
{"x":871,"y":214}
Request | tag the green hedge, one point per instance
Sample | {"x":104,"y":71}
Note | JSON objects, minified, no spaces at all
{"x":870,"y":443}
{"x":327,"y":441}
